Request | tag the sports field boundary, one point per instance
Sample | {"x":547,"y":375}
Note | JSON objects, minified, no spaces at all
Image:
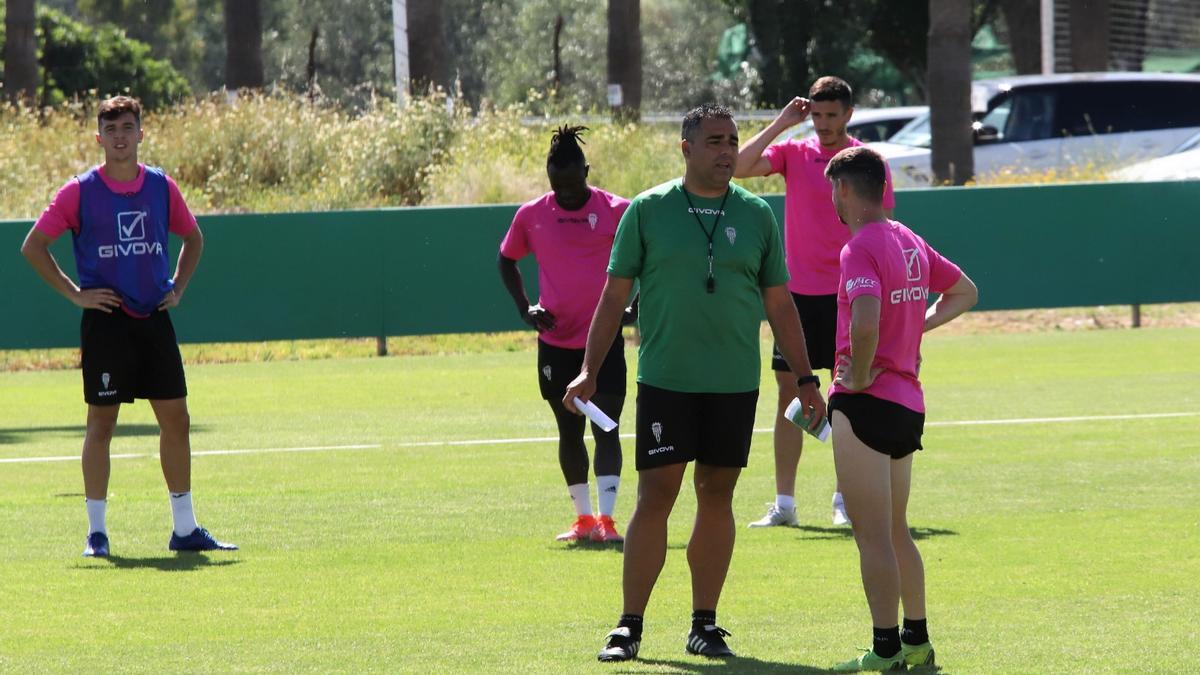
{"x":550,"y":439}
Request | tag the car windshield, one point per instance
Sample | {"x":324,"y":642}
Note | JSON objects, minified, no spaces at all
{"x":1190,"y":144}
{"x":916,"y":133}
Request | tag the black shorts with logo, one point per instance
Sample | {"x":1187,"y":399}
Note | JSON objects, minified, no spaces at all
{"x":557,"y":366}
{"x":676,"y":427}
{"x":818,"y":316}
{"x":126,"y":358}
{"x":883,"y":426}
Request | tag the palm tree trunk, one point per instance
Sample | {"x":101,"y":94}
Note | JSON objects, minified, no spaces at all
{"x":625,"y":56}
{"x":949,"y":78}
{"x":20,"y":52}
{"x":243,"y":44}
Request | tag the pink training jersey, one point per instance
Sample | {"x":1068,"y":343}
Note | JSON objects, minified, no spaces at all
{"x":572,"y":250}
{"x":888,"y":261}
{"x":813,"y":235}
{"x":63,"y":212}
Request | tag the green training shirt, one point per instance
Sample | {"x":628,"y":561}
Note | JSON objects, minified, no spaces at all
{"x":693,"y":340}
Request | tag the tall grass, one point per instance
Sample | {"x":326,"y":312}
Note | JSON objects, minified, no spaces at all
{"x":279,"y":153}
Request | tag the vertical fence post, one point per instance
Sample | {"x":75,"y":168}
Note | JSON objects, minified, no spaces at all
{"x":1137,"y":316}
{"x":381,"y":345}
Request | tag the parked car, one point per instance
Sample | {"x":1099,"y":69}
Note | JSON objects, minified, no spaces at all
{"x":1042,"y":122}
{"x":868,"y":125}
{"x":1182,"y":164}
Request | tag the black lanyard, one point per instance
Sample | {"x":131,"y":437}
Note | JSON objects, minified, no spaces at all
{"x":711,"y":284}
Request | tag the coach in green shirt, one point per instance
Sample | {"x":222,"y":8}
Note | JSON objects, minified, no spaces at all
{"x":709,"y":260}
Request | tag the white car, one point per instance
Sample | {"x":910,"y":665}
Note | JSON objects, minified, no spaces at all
{"x":1182,"y":164}
{"x":1038,"y":123}
{"x":867,"y":124}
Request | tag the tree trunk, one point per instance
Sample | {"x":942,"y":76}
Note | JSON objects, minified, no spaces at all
{"x":428,"y":58}
{"x":1089,"y":21}
{"x":625,"y":56}
{"x":1024,"y":21}
{"x":20,"y":52}
{"x":243,"y":44}
{"x":949,"y":78}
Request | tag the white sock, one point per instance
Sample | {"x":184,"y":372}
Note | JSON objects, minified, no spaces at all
{"x":95,"y":511}
{"x":582,"y":498}
{"x":606,"y":493}
{"x":838,"y":502}
{"x":785,"y":502}
{"x":181,"y":511}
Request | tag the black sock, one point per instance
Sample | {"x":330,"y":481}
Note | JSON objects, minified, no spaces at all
{"x":887,"y":642}
{"x":703,"y":617}
{"x":634,"y":623}
{"x":915,"y":632}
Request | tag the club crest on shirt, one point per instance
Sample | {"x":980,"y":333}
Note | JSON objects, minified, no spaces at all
{"x":592,"y":220}
{"x":731,"y":235}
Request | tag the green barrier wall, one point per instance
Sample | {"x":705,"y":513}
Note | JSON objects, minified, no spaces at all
{"x":432,"y":270}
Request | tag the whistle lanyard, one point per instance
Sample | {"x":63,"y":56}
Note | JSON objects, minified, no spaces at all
{"x":711,"y":284}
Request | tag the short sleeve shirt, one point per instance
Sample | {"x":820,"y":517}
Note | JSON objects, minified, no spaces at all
{"x":572,"y":250}
{"x":62,"y":214}
{"x":693,"y":340}
{"x":890,"y":262}
{"x":813,"y":234}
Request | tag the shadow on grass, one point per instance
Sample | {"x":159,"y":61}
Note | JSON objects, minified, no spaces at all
{"x":918,"y":533}
{"x":751,"y":665}
{"x":184,"y":562}
{"x":611,"y":548}
{"x":739,"y":664}
{"x":22,"y":434}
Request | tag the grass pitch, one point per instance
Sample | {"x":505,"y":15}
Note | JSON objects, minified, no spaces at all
{"x":1060,"y":546}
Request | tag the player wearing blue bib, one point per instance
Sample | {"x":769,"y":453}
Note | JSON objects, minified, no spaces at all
{"x":120,"y":214}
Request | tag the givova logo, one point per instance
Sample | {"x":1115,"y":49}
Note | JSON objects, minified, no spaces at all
{"x":546,"y":372}
{"x":131,"y":233}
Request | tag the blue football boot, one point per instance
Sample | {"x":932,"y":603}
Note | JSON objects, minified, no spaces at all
{"x":96,"y":546}
{"x":199,"y":540}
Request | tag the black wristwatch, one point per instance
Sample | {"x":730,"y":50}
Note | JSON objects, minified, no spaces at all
{"x":809,"y":379}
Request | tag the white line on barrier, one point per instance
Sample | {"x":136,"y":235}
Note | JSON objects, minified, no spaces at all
{"x":549,"y":439}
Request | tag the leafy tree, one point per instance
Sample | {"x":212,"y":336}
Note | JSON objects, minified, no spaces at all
{"x":83,"y":62}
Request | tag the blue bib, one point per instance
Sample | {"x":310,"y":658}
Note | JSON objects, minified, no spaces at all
{"x":122,"y":240}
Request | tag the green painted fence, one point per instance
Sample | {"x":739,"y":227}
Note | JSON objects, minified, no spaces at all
{"x":432,"y":270}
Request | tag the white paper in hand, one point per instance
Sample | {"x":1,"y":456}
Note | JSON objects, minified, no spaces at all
{"x":595,"y":414}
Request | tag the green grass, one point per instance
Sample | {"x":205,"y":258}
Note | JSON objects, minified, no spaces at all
{"x":1061,"y":547}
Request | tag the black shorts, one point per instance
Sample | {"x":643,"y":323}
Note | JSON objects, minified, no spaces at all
{"x":558,"y":366}
{"x":818,"y":316}
{"x":883,"y":426}
{"x":126,"y":358}
{"x":677,"y":427}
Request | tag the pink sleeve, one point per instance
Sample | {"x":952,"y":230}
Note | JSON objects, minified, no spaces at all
{"x":860,"y":275}
{"x":516,"y":244}
{"x":619,"y":204}
{"x":62,"y":213}
{"x":777,"y":155}
{"x":889,"y":197}
{"x":182,"y":221}
{"x":942,"y":273}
